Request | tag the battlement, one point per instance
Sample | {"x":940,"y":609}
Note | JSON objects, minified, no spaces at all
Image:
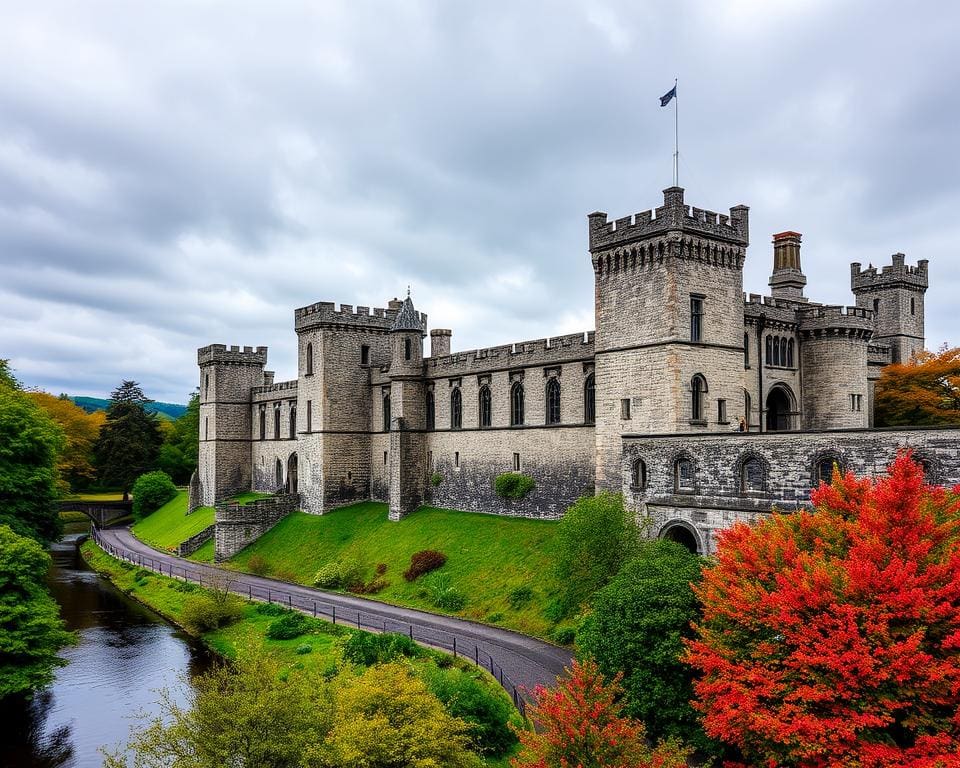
{"x":522,"y":353}
{"x":898,"y":275}
{"x":280,"y":386}
{"x":325,"y":313}
{"x":235,"y":355}
{"x":673,"y":216}
{"x":836,"y":318}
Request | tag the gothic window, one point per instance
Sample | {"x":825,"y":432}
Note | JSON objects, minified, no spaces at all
{"x":777,"y":350}
{"x":746,"y":351}
{"x":309,"y":415}
{"x":456,"y":409}
{"x":824,"y":469}
{"x":386,"y":413}
{"x":276,"y":421}
{"x":263,"y":422}
{"x":516,"y":404}
{"x":431,"y":410}
{"x":279,"y":474}
{"x":589,"y":401}
{"x":293,"y":422}
{"x":790,"y":353}
{"x":752,"y":476}
{"x":638,"y":474}
{"x":309,"y":356}
{"x":696,"y":318}
{"x":553,"y":401}
{"x":406,"y":349}
{"x":769,"y":350}
{"x":698,"y":391}
{"x":484,"y":406}
{"x":683,"y":475}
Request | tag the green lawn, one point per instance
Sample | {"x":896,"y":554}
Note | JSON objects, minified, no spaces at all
{"x":246,"y":498}
{"x":204,"y":554}
{"x":171,"y":525}
{"x":108,"y":496}
{"x":487,"y":557}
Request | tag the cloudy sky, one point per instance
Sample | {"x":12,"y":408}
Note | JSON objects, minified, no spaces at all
{"x":180,"y":173}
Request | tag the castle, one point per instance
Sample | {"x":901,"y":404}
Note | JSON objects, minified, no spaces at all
{"x":701,"y":404}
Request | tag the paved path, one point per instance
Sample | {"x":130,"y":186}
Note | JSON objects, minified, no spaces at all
{"x":519,"y":661}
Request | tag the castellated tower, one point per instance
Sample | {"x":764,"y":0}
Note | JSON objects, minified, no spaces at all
{"x":226,"y":377}
{"x":669,"y":319}
{"x":336,"y":350}
{"x":895,"y":295}
{"x":408,"y":418}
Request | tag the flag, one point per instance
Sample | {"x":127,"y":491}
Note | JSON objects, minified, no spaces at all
{"x":668,"y":96}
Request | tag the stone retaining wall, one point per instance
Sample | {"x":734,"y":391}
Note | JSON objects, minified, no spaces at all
{"x":191,"y":545}
{"x":238,"y":525}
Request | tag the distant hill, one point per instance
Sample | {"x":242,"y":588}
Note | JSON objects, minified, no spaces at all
{"x":169,"y":411}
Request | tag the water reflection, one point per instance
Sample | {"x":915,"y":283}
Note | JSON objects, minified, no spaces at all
{"x":125,"y":655}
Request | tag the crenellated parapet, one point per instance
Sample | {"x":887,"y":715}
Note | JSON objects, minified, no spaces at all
{"x":674,"y":216}
{"x":325,"y":314}
{"x":897,"y":275}
{"x":270,"y":391}
{"x":235,"y":355}
{"x":572,"y":346}
{"x":853,"y":322}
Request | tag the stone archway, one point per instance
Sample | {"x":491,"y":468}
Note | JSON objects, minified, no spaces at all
{"x":780,"y":409}
{"x":292,"y":480}
{"x":682,"y":533}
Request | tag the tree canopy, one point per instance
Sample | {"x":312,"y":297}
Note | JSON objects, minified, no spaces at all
{"x":832,"y":636}
{"x":180,"y":449}
{"x":922,"y":392}
{"x":80,"y":430}
{"x":129,"y":441}
{"x":31,"y":631}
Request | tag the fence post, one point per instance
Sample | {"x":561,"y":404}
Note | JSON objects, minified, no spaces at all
{"x":314,"y":609}
{"x":250,"y":591}
{"x":289,"y":600}
{"x":410,"y":626}
{"x":269,"y":600}
{"x":334,"y":615}
{"x":454,"y":646}
{"x":358,"y":619}
{"x":476,"y":653}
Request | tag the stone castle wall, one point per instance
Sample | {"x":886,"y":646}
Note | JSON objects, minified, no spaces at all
{"x":237,"y":525}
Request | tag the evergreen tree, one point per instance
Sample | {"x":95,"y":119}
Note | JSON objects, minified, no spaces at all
{"x":129,"y":442}
{"x":181,"y":447}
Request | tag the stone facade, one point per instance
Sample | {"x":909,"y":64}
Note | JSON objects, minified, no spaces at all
{"x":679,"y":350}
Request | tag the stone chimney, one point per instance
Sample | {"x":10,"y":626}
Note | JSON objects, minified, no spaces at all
{"x":787,"y":280}
{"x":440,"y":342}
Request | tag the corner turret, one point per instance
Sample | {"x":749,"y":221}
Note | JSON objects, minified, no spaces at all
{"x":895,"y":296}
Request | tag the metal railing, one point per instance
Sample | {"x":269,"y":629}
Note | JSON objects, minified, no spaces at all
{"x":460,"y":647}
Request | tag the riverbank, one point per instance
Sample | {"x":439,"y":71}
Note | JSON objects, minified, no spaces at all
{"x":319,"y":646}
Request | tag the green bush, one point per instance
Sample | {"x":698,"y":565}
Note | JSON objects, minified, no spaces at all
{"x":341,"y":574}
{"x":206,"y":612}
{"x":367,"y":649}
{"x":423,"y":562}
{"x":150,"y":492}
{"x":563,"y":635}
{"x":513,"y":485}
{"x":288,"y":627}
{"x":519,"y":597}
{"x":444,"y":595}
{"x":486,"y":710}
{"x":141,"y":574}
{"x":304,"y":648}
{"x":493,"y":618}
{"x":435,"y":479}
{"x":271,"y":609}
{"x":258,"y":566}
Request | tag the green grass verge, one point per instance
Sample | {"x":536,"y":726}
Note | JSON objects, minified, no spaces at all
{"x":171,"y":525}
{"x":487,"y":557}
{"x":246,"y":498}
{"x":105,"y":496}
{"x":204,"y":554}
{"x":166,"y":596}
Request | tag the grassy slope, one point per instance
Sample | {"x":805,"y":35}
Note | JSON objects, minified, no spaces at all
{"x":488,"y":556}
{"x":171,"y":525}
{"x":162,"y":595}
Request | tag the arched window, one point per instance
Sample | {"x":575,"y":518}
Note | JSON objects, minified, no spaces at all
{"x":386,"y":413}
{"x":638,"y":474}
{"x":683,"y":475}
{"x":431,"y":410}
{"x":309,"y":359}
{"x":293,"y":422}
{"x":746,"y":351}
{"x":589,"y":401}
{"x":263,"y":422}
{"x":752,"y":474}
{"x":553,"y":401}
{"x":406,"y":349}
{"x":698,"y":391}
{"x":516,"y":404}
{"x":276,"y":421}
{"x":824,"y":469}
{"x":456,"y":409}
{"x":790,"y":353}
{"x":484,"y":406}
{"x":769,"y":350}
{"x":279,"y":474}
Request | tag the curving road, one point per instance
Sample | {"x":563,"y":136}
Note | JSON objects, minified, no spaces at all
{"x":518,"y":661}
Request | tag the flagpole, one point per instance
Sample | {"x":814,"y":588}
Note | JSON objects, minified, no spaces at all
{"x":676,"y":134}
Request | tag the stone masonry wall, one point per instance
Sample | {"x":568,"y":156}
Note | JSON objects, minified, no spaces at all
{"x":191,"y":545}
{"x":237,"y":525}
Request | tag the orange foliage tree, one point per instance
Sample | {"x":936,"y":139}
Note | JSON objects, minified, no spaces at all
{"x":75,"y":462}
{"x":579,"y":724}
{"x":831,"y":637}
{"x":922,"y":392}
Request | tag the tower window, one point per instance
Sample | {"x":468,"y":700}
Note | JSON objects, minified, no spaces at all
{"x":589,"y":401}
{"x":406,"y":349}
{"x":456,"y":459}
{"x":386,"y":413}
{"x":625,"y":408}
{"x":364,"y":354}
{"x":553,"y":401}
{"x":293,"y":422}
{"x":309,"y":415}
{"x":876,"y":308}
{"x":790,"y":353}
{"x":746,"y":351}
{"x":769,"y":346}
{"x":516,"y":404}
{"x":516,"y":462}
{"x":696,"y":318}
{"x":484,"y":406}
{"x":856,"y":402}
{"x":263,"y":422}
{"x":913,"y":306}
{"x":683,"y":476}
{"x":638,"y":475}
{"x":385,"y":458}
{"x":456,"y":409}
{"x":206,"y":385}
{"x":722,"y":412}
{"x":206,"y":427}
{"x":431,"y":410}
{"x":698,"y":389}
{"x":276,"y":421}
{"x":309,"y":356}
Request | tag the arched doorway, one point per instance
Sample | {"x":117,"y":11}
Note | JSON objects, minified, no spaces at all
{"x":683,"y":535}
{"x":279,"y":475}
{"x":780,"y":409}
{"x":292,"y":473}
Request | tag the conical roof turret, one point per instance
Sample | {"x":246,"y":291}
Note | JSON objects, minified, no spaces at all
{"x":408,"y":319}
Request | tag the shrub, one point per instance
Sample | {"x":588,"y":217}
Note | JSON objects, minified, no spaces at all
{"x":150,"y":492}
{"x":342,"y":574}
{"x":563,"y":635}
{"x":258,"y":565}
{"x":443,"y":594}
{"x":493,"y":618}
{"x":206,"y":612}
{"x":288,"y":627}
{"x":513,"y":485}
{"x":423,"y":562}
{"x":271,"y":609}
{"x":366,"y":649}
{"x":141,"y":574}
{"x":435,"y":479}
{"x":304,"y":648}
{"x":381,"y":569}
{"x":519,"y":597}
{"x":485,"y":709}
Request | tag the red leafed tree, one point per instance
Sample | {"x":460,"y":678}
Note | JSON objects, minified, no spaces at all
{"x":831,"y":637}
{"x":578,"y":725}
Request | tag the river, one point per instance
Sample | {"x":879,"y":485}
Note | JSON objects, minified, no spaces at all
{"x":125,"y":654}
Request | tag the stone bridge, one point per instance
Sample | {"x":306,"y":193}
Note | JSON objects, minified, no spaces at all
{"x":101,"y":512}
